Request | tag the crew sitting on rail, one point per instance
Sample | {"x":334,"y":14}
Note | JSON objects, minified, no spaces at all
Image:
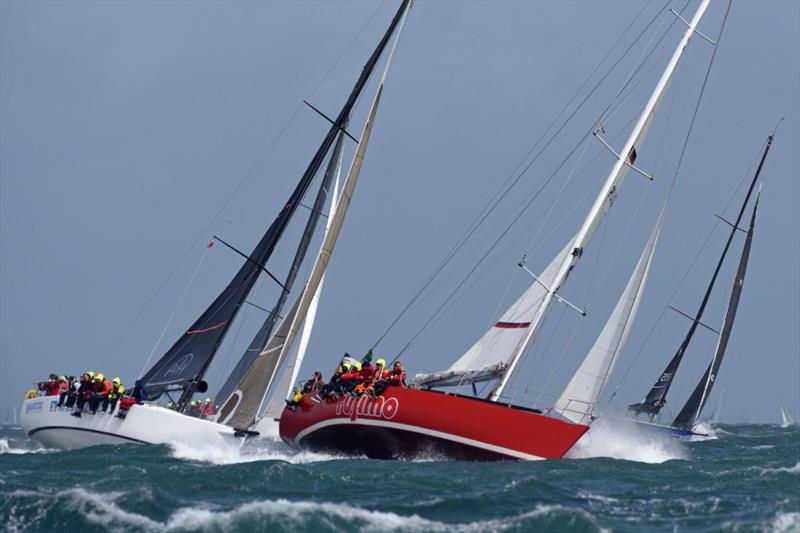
{"x":68,"y":397}
{"x":49,"y":387}
{"x":395,"y":378}
{"x":208,"y":409}
{"x":85,"y":392}
{"x":102,"y":388}
{"x":137,"y":396}
{"x":117,"y":390}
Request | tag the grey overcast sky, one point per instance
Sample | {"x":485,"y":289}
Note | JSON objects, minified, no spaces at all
{"x":125,"y":126}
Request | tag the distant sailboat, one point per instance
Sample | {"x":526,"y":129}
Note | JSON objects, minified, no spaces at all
{"x":786,"y":420}
{"x":684,"y":423}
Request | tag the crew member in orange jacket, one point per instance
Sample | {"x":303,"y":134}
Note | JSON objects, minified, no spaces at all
{"x":102,"y":388}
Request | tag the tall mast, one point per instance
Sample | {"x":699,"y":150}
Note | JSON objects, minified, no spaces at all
{"x":656,"y":398}
{"x":688,"y":416}
{"x":185,"y":363}
{"x":605,"y":198}
{"x":265,"y":331}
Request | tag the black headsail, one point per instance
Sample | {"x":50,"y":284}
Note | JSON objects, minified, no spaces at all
{"x":688,"y":416}
{"x":656,"y":398}
{"x":264,"y":333}
{"x":183,"y":366}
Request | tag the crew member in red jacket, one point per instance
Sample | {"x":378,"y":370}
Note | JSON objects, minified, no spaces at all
{"x":51,"y":387}
{"x":397,"y":377}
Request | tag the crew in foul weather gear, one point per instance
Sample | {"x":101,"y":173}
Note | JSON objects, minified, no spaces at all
{"x":117,"y":390}
{"x":102,"y":388}
{"x":85,"y":392}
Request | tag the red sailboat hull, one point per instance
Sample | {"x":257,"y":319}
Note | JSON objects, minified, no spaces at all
{"x":407,"y":423}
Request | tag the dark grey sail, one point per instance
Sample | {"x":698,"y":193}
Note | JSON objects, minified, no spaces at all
{"x":185,"y":363}
{"x":656,"y":398}
{"x":264,"y":332}
{"x":688,"y":416}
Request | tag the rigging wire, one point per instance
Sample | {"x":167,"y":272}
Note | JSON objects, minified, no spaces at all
{"x":526,"y":203}
{"x":175,"y":309}
{"x":677,"y":171}
{"x":504,"y":190}
{"x":215,"y":218}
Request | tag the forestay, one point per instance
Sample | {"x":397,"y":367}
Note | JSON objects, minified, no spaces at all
{"x":579,"y":398}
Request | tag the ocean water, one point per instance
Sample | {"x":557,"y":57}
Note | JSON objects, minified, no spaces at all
{"x":744,"y":478}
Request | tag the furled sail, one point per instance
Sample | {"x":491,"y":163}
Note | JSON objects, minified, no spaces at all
{"x":656,"y":398}
{"x":275,"y":356}
{"x":579,"y":399}
{"x":185,"y":363}
{"x":688,"y":416}
{"x":488,"y":358}
{"x":262,"y":336}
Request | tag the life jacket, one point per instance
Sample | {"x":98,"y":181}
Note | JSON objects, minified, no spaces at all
{"x":116,"y":392}
{"x":367,"y":372}
{"x":63,"y":387}
{"x":398,"y":378}
{"x":103,"y":388}
{"x":351,"y":376}
{"x":52,"y":388}
{"x":208,"y":409}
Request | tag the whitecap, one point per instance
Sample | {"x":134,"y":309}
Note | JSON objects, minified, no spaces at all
{"x":789,"y":469}
{"x":103,"y":510}
{"x":262,"y":451}
{"x":6,"y":448}
{"x":620,"y":439}
{"x":786,"y":523}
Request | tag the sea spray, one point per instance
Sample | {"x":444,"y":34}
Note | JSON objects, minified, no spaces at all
{"x":621,"y":439}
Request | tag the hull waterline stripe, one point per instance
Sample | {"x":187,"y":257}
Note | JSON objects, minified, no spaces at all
{"x":423,"y":431}
{"x":116,"y":435}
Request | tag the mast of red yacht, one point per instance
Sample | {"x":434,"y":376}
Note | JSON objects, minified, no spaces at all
{"x":625,"y":159}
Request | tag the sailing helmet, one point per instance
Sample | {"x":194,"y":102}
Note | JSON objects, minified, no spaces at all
{"x":347,"y":366}
{"x":53,"y":377}
{"x":62,"y":378}
{"x":99,"y":376}
{"x":208,"y":400}
{"x":116,"y":381}
{"x":90,"y":374}
{"x":357,"y":365}
{"x":381,"y":362}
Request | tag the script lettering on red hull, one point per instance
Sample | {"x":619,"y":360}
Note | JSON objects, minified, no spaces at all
{"x":367,"y":407}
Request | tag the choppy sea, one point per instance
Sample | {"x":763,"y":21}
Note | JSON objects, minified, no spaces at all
{"x":743,"y":478}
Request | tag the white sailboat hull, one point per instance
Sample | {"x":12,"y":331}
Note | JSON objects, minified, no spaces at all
{"x":54,"y":427}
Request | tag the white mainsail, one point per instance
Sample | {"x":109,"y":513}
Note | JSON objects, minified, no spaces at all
{"x":489,"y":357}
{"x":580,"y":396}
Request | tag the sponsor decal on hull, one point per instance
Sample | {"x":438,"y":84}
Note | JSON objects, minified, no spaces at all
{"x":33,"y":407}
{"x":367,"y":407}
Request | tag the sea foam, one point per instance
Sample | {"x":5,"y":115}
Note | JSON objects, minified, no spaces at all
{"x":619,"y":439}
{"x":104,"y":510}
{"x":259,"y":450}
